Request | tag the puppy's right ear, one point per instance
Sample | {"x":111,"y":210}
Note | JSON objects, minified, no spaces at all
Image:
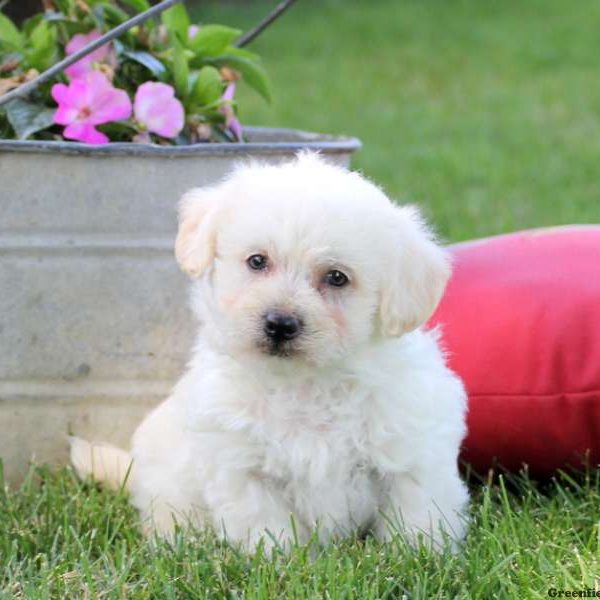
{"x":419,"y":271}
{"x":196,"y":241}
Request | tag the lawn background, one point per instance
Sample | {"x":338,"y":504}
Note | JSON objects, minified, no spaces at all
{"x":487,"y":114}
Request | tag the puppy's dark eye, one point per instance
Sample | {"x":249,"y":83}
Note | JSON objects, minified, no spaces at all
{"x":336,"y":278}
{"x":257,"y":262}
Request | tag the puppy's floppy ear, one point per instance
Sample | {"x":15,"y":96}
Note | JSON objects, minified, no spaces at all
{"x":196,"y":241}
{"x":415,"y":282}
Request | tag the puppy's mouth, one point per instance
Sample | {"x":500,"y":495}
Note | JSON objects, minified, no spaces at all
{"x":283,"y":349}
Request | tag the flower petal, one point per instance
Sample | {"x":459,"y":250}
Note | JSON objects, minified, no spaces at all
{"x":78,"y":69}
{"x":81,"y":93}
{"x":231,"y":121}
{"x":112,"y":105}
{"x":67,"y":101}
{"x":229,"y":92}
{"x":236,"y":128}
{"x":157,"y":109}
{"x":60,"y":93}
{"x":83,"y":66}
{"x":64,"y":116}
{"x":148,"y":96}
{"x":84,"y":132}
{"x":170,"y":123}
{"x":79,"y":41}
{"x":105,"y":102}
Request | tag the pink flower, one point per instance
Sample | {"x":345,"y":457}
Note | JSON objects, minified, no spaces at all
{"x":86,"y":102}
{"x":81,"y":67}
{"x":156,"y":108}
{"x":192,"y":31}
{"x":231,"y":121}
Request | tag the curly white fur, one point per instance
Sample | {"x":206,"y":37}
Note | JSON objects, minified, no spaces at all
{"x":357,"y":425}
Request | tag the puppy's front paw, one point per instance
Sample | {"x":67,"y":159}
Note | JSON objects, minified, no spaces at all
{"x":269,"y":537}
{"x":269,"y":542}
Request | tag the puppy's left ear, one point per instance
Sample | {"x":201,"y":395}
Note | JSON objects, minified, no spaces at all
{"x":195,"y":246}
{"x":414,"y":285}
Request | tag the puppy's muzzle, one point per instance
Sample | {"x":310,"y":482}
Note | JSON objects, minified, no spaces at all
{"x":280,"y":327}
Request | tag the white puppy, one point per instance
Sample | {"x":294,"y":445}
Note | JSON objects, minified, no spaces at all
{"x":312,"y":395}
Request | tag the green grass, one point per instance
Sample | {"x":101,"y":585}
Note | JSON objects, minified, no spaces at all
{"x":485,"y":112}
{"x":64,"y":539}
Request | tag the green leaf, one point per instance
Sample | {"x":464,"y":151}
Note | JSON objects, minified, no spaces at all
{"x":181,"y":70}
{"x":30,"y":24}
{"x":41,"y":35}
{"x":212,"y":40}
{"x":27,"y":118}
{"x":119,"y":131}
{"x":42,"y":51}
{"x":242,"y":53}
{"x":137,"y":5}
{"x":112,"y":15}
{"x":252,"y":72}
{"x":74,"y":27}
{"x":6,"y":131}
{"x":177,"y":21}
{"x":147,"y":60}
{"x":208,"y":87}
{"x":65,"y":6}
{"x":9,"y":34}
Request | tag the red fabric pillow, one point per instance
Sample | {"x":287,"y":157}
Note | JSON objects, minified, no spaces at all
{"x":521,"y":323}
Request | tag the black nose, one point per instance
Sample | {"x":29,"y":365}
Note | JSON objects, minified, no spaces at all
{"x":280,"y":326}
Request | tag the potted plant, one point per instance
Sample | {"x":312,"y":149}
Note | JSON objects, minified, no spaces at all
{"x":94,"y":326}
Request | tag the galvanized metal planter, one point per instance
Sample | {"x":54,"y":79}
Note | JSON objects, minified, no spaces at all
{"x":94,"y":324}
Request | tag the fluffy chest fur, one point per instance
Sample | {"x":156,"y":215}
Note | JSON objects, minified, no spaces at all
{"x":306,"y":437}
{"x":310,"y":433}
{"x":312,"y":449}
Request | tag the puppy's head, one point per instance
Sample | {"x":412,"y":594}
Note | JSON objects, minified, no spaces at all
{"x":306,"y":262}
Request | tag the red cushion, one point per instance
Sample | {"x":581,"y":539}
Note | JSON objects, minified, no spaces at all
{"x":521,"y":322}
